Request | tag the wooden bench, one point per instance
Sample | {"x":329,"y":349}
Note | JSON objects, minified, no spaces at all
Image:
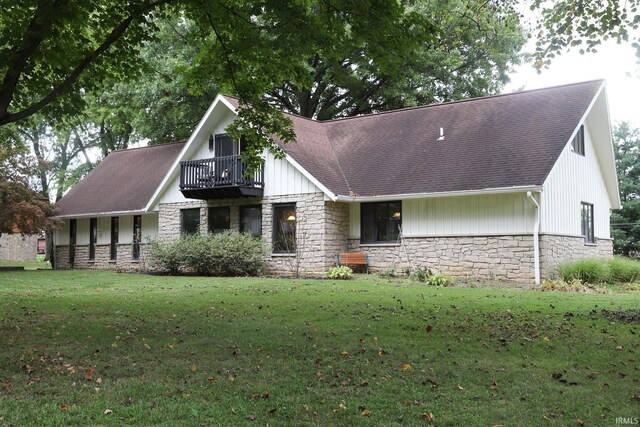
{"x":354,"y":259}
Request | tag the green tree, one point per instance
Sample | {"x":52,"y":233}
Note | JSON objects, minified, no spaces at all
{"x":584,"y":25}
{"x":476,"y":46}
{"x":21,"y":208}
{"x":52,"y":51}
{"x":158,"y":105}
{"x":625,"y":222}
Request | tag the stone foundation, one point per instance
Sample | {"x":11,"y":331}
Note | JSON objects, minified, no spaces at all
{"x":555,"y":250}
{"x":123,"y":262}
{"x":16,"y":247}
{"x":505,"y":257}
{"x":508,"y":257}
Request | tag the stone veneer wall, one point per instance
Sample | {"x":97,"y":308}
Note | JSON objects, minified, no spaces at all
{"x":555,"y":249}
{"x":16,"y":247}
{"x":509,"y":257}
{"x":102,"y":259}
{"x":322,"y":227}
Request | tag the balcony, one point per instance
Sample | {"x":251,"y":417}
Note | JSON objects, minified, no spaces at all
{"x":218,"y":178}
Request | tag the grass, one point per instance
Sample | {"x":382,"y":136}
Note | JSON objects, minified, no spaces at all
{"x":102,"y":348}
{"x":617,"y":271}
{"x":28,"y":265}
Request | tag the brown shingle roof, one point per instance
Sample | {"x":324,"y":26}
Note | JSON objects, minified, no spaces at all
{"x":124,"y":181}
{"x":492,"y":142}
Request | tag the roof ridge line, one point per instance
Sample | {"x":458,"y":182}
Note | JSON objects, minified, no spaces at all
{"x":459,"y":101}
{"x":147,"y":146}
{"x":397,"y":110}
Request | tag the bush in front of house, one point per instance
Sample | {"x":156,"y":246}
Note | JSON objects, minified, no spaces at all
{"x":624,"y":270}
{"x":597,"y":271}
{"x":224,"y":254}
{"x":439,"y":279}
{"x":236,"y":254}
{"x":340,"y":273}
{"x":166,"y":257}
{"x":593,"y":271}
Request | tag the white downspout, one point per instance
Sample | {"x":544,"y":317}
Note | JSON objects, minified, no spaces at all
{"x":536,"y":248}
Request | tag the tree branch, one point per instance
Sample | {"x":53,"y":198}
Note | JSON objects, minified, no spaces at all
{"x":69,"y":81}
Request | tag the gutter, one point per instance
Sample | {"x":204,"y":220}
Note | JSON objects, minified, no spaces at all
{"x":102,"y":214}
{"x":501,"y":190}
{"x":536,"y":238}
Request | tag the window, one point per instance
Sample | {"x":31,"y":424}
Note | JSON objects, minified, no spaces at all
{"x":190,"y":220}
{"x":284,"y":228}
{"x":93,"y":237}
{"x":577,"y":145}
{"x":219,"y":219}
{"x":251,"y":220}
{"x":115,"y":229}
{"x":224,"y":145}
{"x":587,"y":222}
{"x":73,"y":228}
{"x":380,"y":222}
{"x":137,"y":236}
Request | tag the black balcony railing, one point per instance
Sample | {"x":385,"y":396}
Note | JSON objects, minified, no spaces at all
{"x":219,"y":177}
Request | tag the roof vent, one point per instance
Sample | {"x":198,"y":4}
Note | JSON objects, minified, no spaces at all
{"x":441,"y":138}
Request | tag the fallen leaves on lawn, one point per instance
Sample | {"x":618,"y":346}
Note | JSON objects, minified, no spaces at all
{"x":108,"y":412}
{"x":366,"y":413}
{"x":429,"y":328}
{"x":427,"y":416}
{"x":251,"y":417}
{"x":89,"y":374}
{"x":405,"y":367}
{"x":64,"y":407}
{"x":257,"y":396}
{"x":494,"y":385}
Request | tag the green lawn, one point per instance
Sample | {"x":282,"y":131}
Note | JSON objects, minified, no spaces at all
{"x":102,"y":348}
{"x":39,"y":263}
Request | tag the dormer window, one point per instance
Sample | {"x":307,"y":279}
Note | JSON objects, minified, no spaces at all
{"x":577,"y":145}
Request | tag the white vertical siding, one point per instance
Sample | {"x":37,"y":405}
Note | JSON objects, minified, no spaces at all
{"x":282,"y":178}
{"x":82,"y":231}
{"x":62,"y":234}
{"x":575,"y":179}
{"x":460,"y":216}
{"x":104,"y":230}
{"x":125,"y":232}
{"x":354,"y":220}
{"x":149,"y":227}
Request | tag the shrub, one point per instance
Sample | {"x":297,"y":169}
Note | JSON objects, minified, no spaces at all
{"x":166,"y":257}
{"x":225,"y":254}
{"x":593,"y":271}
{"x":439,"y":279}
{"x":389,"y":273}
{"x":624,"y":270}
{"x":340,"y":273}
{"x":421,"y":274}
{"x":236,"y":254}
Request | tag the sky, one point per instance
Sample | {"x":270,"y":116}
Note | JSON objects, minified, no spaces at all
{"x":616,"y":63}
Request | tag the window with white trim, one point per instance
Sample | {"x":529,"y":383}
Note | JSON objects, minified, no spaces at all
{"x":577,"y":145}
{"x":587,"y":222}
